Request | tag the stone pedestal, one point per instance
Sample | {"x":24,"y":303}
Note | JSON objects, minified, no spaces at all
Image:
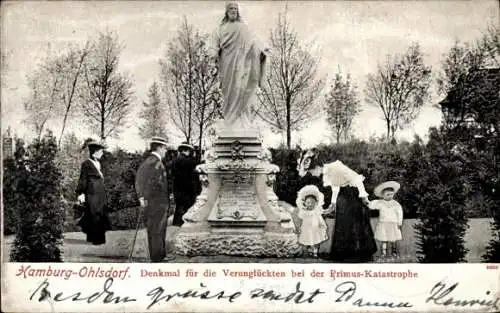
{"x":237,"y":212}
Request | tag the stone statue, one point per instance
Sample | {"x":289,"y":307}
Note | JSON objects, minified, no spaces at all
{"x":241,"y":67}
{"x":194,"y":214}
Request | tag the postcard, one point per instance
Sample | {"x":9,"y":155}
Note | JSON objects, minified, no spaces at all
{"x":250,"y":156}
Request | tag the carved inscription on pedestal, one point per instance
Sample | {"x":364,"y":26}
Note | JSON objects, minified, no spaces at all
{"x":237,"y":197}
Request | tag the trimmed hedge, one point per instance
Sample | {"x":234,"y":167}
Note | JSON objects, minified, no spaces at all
{"x":427,"y":172}
{"x":379,"y":161}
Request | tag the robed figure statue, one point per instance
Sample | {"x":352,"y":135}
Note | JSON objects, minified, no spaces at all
{"x":241,"y":67}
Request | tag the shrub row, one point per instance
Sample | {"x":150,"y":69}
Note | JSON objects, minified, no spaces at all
{"x":437,"y":187}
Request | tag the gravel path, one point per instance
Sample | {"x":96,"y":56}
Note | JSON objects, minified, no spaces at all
{"x":118,"y":243}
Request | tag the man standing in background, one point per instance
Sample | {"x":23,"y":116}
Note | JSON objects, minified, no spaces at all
{"x":151,"y":187}
{"x":185,"y":180}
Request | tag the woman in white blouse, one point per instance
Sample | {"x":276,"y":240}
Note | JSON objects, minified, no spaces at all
{"x":353,"y":240}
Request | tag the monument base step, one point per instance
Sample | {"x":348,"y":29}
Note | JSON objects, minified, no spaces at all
{"x":234,"y":243}
{"x":240,"y":224}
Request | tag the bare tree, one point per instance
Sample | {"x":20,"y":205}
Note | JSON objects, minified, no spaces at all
{"x":289,"y":97}
{"x":177,"y":78}
{"x":399,"y":88}
{"x":42,"y":103}
{"x":341,"y":106}
{"x":190,"y":83}
{"x":207,"y":93}
{"x":4,"y":72}
{"x":70,"y":68}
{"x":490,"y":42}
{"x":462,"y":80}
{"x":153,"y":114}
{"x":55,"y":86}
{"x":4,"y":66}
{"x":107,"y":97}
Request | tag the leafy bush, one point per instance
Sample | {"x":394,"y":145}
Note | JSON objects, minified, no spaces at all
{"x":68,"y":160}
{"x":39,"y":214}
{"x":287,"y":180}
{"x":443,"y":221}
{"x":119,"y":170}
{"x":492,"y":254}
{"x":12,"y":200}
{"x":124,"y":219}
{"x":377,"y":161}
{"x":9,"y":196}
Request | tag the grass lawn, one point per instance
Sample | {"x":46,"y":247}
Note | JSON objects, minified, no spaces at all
{"x":118,"y":245}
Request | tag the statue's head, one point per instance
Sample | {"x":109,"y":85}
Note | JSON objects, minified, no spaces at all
{"x":232,"y":12}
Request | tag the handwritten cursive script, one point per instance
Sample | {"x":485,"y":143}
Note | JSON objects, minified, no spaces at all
{"x":441,"y":295}
{"x":347,"y":290}
{"x":159,"y":294}
{"x":297,"y":296}
{"x":105,"y":294}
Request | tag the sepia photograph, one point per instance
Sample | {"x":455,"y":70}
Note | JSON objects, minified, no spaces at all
{"x":250,"y":132}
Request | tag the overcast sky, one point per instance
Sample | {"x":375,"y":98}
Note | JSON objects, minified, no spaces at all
{"x":351,"y":35}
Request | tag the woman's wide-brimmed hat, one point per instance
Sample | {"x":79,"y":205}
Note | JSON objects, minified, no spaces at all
{"x":159,"y":140}
{"x":94,"y":144}
{"x":386,"y":185}
{"x":185,"y":146}
{"x":310,"y":155}
{"x":310,"y":190}
{"x":338,"y":174}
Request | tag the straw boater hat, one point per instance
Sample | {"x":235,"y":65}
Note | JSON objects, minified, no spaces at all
{"x":310,"y":190}
{"x":159,"y":140}
{"x":386,"y":185}
{"x":185,"y":146}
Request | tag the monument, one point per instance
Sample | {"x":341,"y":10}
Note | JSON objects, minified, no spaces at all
{"x":237,"y":212}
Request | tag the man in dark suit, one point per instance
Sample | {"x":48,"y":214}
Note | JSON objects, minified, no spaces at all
{"x":185,"y":180}
{"x":152,"y":191}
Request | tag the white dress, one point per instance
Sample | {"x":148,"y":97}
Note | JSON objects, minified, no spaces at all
{"x":389,"y":221}
{"x":313,"y":230}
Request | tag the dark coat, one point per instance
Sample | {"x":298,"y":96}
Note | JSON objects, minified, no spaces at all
{"x":151,"y":180}
{"x":185,"y":185}
{"x":95,"y":220}
{"x":152,"y":185}
{"x":185,"y":177}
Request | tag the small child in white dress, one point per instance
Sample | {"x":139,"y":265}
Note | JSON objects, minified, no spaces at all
{"x":313,"y":229}
{"x":390,"y":220}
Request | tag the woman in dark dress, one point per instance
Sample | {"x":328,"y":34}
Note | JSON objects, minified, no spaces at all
{"x":353,"y":239}
{"x":91,"y":192}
